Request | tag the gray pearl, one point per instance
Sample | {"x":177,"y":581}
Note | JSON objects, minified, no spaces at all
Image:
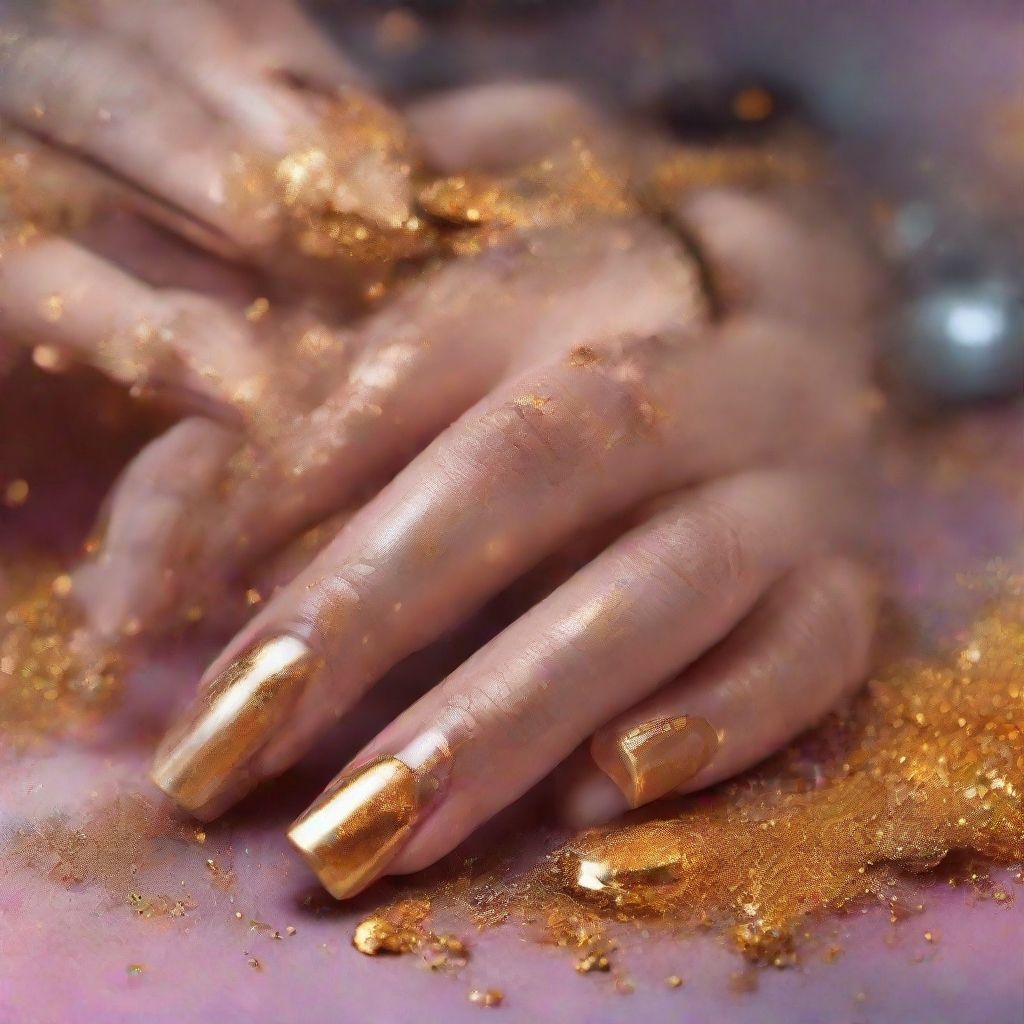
{"x":963,"y":341}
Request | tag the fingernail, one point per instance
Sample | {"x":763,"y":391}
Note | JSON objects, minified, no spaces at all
{"x":656,"y":757}
{"x":361,"y":821}
{"x":205,"y":762}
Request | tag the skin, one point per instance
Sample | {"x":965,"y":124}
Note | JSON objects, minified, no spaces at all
{"x":500,"y":406}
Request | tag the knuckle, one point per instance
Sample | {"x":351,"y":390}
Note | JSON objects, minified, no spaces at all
{"x":543,"y":433}
{"x":706,"y":549}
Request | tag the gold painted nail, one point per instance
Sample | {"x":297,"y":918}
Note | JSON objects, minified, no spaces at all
{"x":204,"y":763}
{"x":654,"y":758}
{"x":357,"y":825}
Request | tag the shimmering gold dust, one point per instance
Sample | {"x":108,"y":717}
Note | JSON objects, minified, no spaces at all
{"x":401,"y":929}
{"x":48,"y":685}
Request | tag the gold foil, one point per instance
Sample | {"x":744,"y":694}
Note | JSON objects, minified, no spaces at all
{"x":204,"y":765}
{"x":358,"y":824}
{"x":654,"y":758}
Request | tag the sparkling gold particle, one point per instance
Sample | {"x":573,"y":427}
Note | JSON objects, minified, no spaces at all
{"x":50,"y":358}
{"x":16,"y":493}
{"x":532,"y":401}
{"x":253,"y":962}
{"x":674,"y":981}
{"x":257,"y":310}
{"x":376,"y":935}
{"x":53,"y":309}
{"x":62,"y":585}
{"x":134,"y":970}
{"x":754,"y":104}
{"x":596,"y":961}
{"x":46,"y":688}
{"x":486,"y":997}
{"x":253,"y":596}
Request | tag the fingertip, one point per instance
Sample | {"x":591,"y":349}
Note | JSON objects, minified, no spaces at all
{"x":590,"y":799}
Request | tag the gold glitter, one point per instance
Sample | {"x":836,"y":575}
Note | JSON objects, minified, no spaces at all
{"x":596,"y":961}
{"x":46,"y":686}
{"x":674,"y":981}
{"x":50,"y":358}
{"x":486,"y":997}
{"x":62,"y":585}
{"x":257,"y":310}
{"x":16,"y":493}
{"x":397,"y":932}
{"x":134,"y":970}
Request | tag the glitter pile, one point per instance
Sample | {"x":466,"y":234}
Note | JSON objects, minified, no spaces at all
{"x":928,"y":763}
{"x":46,"y":686}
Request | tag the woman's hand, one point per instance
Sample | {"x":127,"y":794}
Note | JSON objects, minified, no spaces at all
{"x":585,"y":380}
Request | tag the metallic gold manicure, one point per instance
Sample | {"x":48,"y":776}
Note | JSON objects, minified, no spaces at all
{"x":205,"y":763}
{"x":358,"y":824}
{"x":656,"y":757}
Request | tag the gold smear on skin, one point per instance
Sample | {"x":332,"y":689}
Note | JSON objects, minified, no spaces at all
{"x":205,"y":762}
{"x":47,"y":685}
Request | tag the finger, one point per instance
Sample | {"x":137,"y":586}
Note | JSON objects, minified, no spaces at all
{"x":134,"y":568}
{"x":519,"y":474}
{"x":655,"y":600}
{"x":95,"y":99}
{"x":281,"y":37}
{"x":202,"y":46}
{"x":498,"y":126}
{"x":762,"y":253}
{"x":792,"y":660}
{"x":183,"y":347}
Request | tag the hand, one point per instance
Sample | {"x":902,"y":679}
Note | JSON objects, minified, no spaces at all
{"x":604,"y":383}
{"x":123,"y":119}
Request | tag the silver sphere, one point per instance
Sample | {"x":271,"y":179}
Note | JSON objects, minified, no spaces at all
{"x":963,"y":341}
